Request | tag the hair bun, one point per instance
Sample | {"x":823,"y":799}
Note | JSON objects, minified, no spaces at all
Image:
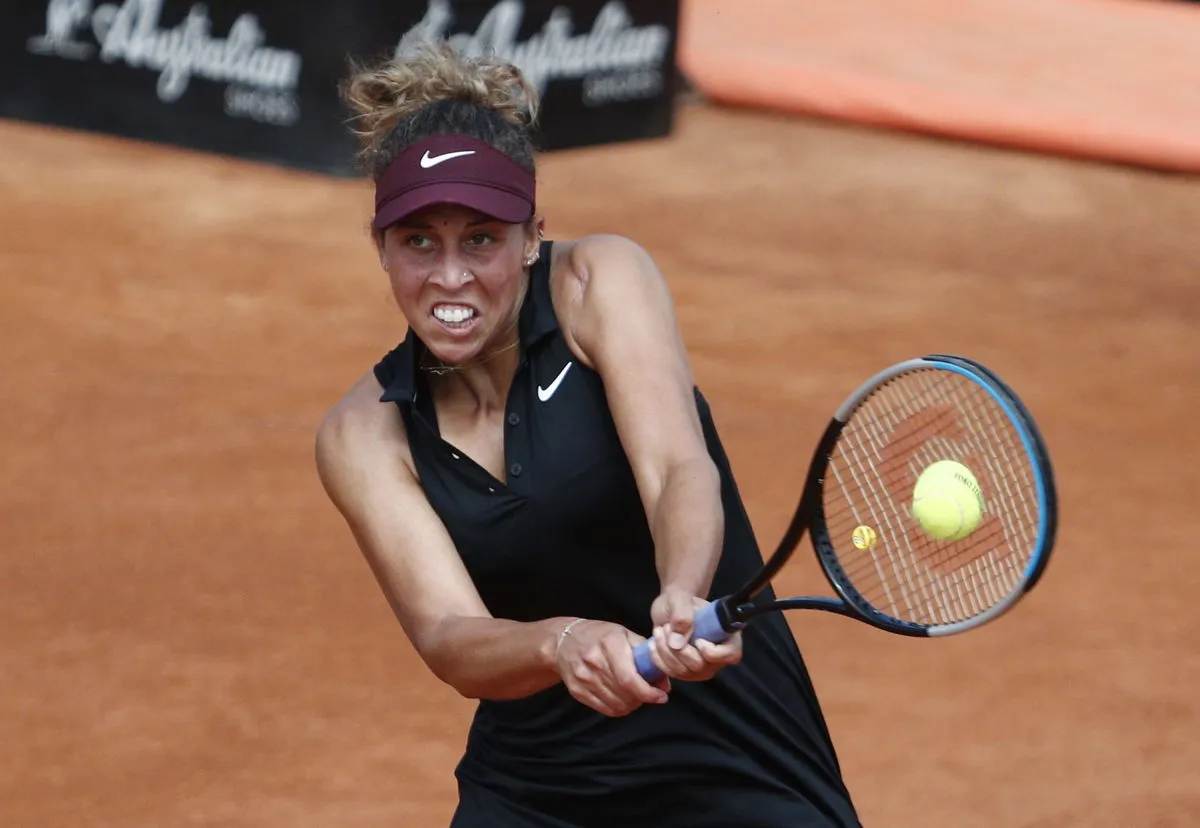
{"x":383,"y":94}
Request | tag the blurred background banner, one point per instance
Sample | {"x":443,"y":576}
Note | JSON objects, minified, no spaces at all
{"x":1115,"y":80}
{"x":258,"y":78}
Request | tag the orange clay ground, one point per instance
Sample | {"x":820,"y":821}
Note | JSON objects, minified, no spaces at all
{"x":191,"y":638}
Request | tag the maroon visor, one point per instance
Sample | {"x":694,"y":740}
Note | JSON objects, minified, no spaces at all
{"x":454,"y":169}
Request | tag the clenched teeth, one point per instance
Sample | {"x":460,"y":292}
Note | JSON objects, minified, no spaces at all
{"x":453,"y":313}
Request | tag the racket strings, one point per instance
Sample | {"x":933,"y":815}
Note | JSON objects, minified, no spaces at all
{"x":914,"y":597}
{"x":909,"y":423}
{"x":963,"y":591}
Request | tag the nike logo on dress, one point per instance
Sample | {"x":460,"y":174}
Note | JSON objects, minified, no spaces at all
{"x":428,"y":160}
{"x":548,"y":392}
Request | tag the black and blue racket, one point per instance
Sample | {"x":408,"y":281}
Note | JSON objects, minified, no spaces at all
{"x":930,"y":502}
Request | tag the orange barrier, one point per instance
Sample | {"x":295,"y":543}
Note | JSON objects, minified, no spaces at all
{"x":1117,"y":80}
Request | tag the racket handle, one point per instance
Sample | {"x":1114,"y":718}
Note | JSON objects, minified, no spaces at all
{"x":706,"y":626}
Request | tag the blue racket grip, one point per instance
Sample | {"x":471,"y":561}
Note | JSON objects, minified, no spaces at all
{"x":706,"y":626}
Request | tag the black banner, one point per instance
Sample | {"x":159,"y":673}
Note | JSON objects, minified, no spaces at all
{"x":258,"y":78}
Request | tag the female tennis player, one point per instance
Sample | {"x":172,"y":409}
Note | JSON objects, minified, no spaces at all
{"x":537,"y":486}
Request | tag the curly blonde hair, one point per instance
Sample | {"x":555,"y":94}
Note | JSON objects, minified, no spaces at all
{"x":435,"y":90}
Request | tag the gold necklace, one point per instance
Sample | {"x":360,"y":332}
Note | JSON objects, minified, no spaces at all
{"x":442,"y":369}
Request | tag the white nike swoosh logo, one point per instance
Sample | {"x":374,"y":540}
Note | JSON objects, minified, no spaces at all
{"x":548,"y":392}
{"x":428,"y":161}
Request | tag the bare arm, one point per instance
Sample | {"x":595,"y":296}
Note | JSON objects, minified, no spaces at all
{"x":361,"y":452}
{"x":621,"y":321}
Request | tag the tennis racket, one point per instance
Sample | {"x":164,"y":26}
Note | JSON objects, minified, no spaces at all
{"x":858,"y":509}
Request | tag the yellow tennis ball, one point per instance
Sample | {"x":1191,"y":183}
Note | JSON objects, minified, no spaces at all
{"x":947,"y":501}
{"x":864,"y":537}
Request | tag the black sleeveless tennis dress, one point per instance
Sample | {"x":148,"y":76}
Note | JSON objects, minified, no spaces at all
{"x":567,"y":535}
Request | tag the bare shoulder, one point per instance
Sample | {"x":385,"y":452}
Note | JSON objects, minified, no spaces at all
{"x":594,"y":273}
{"x":365,"y":465}
{"x":602,"y":254}
{"x":359,"y":430}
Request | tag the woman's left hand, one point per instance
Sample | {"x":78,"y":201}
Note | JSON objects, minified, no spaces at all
{"x":670,"y":648}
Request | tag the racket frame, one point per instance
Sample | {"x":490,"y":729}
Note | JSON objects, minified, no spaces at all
{"x":735,"y":610}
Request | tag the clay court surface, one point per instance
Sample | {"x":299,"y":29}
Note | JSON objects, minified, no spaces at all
{"x":191,"y":638}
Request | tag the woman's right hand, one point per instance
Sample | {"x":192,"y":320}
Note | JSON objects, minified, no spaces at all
{"x":595,"y":661}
